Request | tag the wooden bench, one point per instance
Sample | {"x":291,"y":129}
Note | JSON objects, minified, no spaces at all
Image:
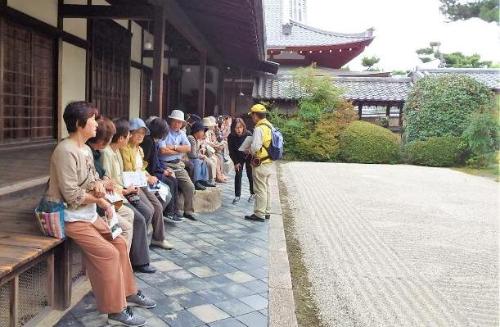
{"x":23,"y":251}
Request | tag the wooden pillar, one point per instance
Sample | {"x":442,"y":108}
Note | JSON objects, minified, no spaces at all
{"x":202,"y":83}
{"x":388,"y":111}
{"x":14,"y":301}
{"x":400,"y":115}
{"x":159,"y":49}
{"x":360,"y":110}
{"x":62,"y":276}
{"x":220,"y":92}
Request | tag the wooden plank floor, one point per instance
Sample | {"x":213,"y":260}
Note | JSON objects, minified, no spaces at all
{"x":23,"y":164}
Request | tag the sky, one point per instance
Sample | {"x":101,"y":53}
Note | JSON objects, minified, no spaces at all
{"x":401,"y":27}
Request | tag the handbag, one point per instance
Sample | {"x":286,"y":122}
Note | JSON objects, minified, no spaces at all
{"x":50,"y":218}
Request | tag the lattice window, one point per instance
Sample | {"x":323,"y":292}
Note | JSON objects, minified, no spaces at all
{"x":27,"y":84}
{"x":111,"y":68}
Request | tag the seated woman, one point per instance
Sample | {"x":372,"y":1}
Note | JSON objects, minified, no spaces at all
{"x":74,"y":180}
{"x":158,"y":130}
{"x":240,"y":159}
{"x":112,"y":162}
{"x":133,"y":160}
{"x":197,"y":156}
{"x":104,"y":133}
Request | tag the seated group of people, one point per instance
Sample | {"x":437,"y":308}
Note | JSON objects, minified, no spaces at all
{"x":91,"y":163}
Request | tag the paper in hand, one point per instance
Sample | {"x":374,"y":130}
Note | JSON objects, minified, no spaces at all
{"x":114,"y":227}
{"x":247,"y":143}
{"x":134,"y":178}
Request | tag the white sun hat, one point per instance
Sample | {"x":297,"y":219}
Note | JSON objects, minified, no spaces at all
{"x":177,"y":115}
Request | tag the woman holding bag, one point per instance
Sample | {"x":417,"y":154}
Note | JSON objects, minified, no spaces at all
{"x":74,"y":180}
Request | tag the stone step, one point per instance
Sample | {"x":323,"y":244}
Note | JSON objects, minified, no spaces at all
{"x":208,"y":200}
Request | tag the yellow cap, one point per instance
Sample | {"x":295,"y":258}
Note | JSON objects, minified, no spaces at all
{"x":257,"y":108}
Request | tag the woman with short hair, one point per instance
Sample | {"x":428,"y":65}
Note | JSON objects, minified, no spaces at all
{"x":74,"y":180}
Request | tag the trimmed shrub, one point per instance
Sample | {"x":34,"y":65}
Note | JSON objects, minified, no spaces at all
{"x":444,"y":151}
{"x":364,"y":142}
{"x":481,"y":138}
{"x":442,"y":105}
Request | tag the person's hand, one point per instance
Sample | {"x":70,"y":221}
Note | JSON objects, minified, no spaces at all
{"x":168,"y":172}
{"x":130,"y":190}
{"x":99,"y":189}
{"x":203,"y":157}
{"x":108,"y":208}
{"x":109,"y":185}
{"x":152,"y":180}
{"x":237,"y":167}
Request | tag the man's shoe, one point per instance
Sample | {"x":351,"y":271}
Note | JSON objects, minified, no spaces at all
{"x":190,"y":216}
{"x":208,"y":184}
{"x":145,"y":269}
{"x":170,"y":218}
{"x":199,"y":187}
{"x":178,"y":218}
{"x":236,"y":200}
{"x":254,"y":217}
{"x":141,"y":300}
{"x":251,"y":198}
{"x":162,"y":244}
{"x":126,"y":318}
{"x":268,"y":216}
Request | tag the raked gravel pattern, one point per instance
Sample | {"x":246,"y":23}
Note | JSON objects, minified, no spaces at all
{"x":397,"y":245}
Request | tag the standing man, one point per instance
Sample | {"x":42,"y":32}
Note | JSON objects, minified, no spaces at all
{"x":261,"y":163}
{"x":172,"y":150}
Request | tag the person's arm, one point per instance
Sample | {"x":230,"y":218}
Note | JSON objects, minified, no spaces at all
{"x":193,"y":153}
{"x":257,"y":141}
{"x":233,"y":149}
{"x":184,"y":146}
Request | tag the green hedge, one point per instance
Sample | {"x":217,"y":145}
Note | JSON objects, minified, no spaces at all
{"x":444,"y":151}
{"x":364,"y":142}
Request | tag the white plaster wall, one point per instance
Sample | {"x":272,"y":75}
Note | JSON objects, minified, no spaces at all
{"x":122,"y":22}
{"x":76,"y":26}
{"x":44,"y":10}
{"x":135,"y":92}
{"x":136,"y":42}
{"x":73,"y":77}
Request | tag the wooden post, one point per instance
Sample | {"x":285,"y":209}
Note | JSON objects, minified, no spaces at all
{"x":202,"y":83}
{"x":50,"y":279}
{"x":14,"y":300}
{"x":360,"y":110}
{"x":388,"y":111}
{"x":220,"y":92}
{"x":159,"y":48}
{"x":62,"y":276}
{"x":400,"y":115}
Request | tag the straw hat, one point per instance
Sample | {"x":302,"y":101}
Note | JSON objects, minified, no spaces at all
{"x":208,"y":122}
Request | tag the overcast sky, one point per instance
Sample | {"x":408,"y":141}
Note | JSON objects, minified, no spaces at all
{"x":401,"y":27}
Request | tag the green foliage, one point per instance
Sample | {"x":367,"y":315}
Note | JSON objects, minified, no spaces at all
{"x":369,"y":62}
{"x":430,"y":53}
{"x":481,"y":138}
{"x":444,"y":151}
{"x":441,"y":106}
{"x":487,"y":10}
{"x":459,"y":60}
{"x":364,"y":142}
{"x":312,"y":134}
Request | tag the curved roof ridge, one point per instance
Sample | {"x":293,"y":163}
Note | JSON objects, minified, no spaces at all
{"x":367,"y":34}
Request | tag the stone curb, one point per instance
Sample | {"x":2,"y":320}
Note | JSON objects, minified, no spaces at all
{"x":281,"y":301}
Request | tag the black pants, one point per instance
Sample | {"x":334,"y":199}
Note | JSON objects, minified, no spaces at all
{"x":237,"y":178}
{"x":172,"y":184}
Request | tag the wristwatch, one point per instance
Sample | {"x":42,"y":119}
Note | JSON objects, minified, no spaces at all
{"x":175,"y":147}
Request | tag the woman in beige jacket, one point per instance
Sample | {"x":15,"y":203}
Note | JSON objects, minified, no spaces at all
{"x":74,"y":180}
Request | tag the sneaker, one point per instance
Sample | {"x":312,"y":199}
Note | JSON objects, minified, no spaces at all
{"x":199,"y":187}
{"x":251,"y":198}
{"x":162,"y":244}
{"x":268,"y":216}
{"x":170,"y":218}
{"x":254,"y":217}
{"x":145,"y":269}
{"x":126,"y":318}
{"x":208,"y":184}
{"x":178,"y":218}
{"x":141,"y":300}
{"x":190,"y":216}
{"x":236,"y":200}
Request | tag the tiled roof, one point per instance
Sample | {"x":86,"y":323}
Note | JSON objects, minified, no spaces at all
{"x":356,"y":88}
{"x":301,"y":35}
{"x":488,"y":76}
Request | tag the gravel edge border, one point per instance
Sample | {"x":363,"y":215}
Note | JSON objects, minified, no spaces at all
{"x":281,"y":300}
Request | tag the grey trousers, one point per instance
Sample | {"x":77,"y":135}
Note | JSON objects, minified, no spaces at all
{"x":186,"y":186}
{"x":157,"y":206}
{"x":139,"y":252}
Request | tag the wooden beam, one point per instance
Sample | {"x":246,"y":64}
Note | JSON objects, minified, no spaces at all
{"x":150,"y":53}
{"x":133,"y":12}
{"x":14,"y":301}
{"x":202,"y":79}
{"x":62,"y":276}
{"x":220,"y":91}
{"x":181,"y":22}
{"x":159,"y":49}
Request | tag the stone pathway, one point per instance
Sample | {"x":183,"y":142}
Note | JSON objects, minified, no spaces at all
{"x":216,"y":276}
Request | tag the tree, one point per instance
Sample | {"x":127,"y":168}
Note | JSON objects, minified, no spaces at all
{"x":454,"y":59}
{"x":486,"y":10}
{"x":369,"y":62}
